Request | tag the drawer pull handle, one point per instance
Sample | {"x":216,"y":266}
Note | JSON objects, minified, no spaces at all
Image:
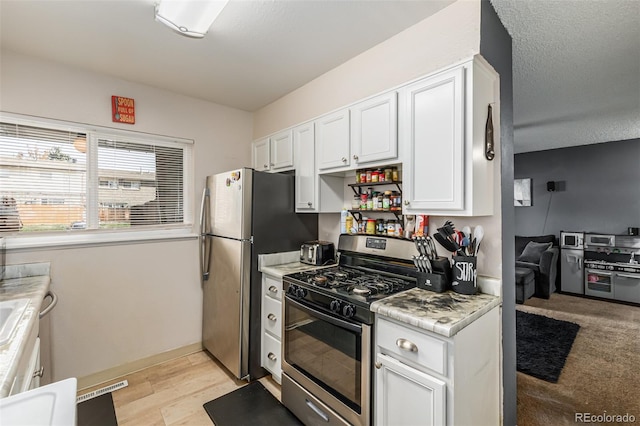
{"x":273,"y":318}
{"x":272,"y":356}
{"x":406,"y":345}
{"x":316,"y":410}
{"x":273,"y":289}
{"x":38,"y":373}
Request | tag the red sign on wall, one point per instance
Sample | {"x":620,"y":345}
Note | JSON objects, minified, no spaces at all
{"x":123,"y":110}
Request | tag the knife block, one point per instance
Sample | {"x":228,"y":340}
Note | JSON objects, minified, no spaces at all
{"x":438,"y":281}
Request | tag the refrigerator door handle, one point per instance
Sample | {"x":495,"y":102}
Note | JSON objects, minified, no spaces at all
{"x":204,"y":263}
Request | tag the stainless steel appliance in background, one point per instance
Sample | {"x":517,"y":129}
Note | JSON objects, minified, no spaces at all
{"x":571,"y":262}
{"x":244,"y":213}
{"x":611,"y":268}
{"x":328,"y":328}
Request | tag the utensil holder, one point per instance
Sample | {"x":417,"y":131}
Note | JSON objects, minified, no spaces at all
{"x":464,"y":280}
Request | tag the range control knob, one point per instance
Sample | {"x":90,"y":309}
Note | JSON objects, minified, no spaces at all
{"x":301,"y":292}
{"x":335,"y":306}
{"x":348,"y":311}
{"x":292,"y":290}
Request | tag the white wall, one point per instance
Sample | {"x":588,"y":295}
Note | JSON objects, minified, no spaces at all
{"x":448,"y":36}
{"x":123,"y":303}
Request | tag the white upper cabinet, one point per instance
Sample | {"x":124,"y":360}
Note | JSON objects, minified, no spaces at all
{"x":260,"y":155}
{"x":442,"y":132}
{"x":332,"y":140}
{"x":274,"y":154}
{"x":304,"y":160}
{"x":374,"y":129}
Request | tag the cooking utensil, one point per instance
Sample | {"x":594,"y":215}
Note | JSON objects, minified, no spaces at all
{"x":445,"y":242}
{"x":478,"y":235}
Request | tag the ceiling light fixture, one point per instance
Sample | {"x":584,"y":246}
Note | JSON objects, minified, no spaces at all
{"x":191,"y":18}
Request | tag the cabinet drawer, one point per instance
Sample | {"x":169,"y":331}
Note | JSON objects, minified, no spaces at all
{"x":271,"y":316}
{"x":412,"y":345}
{"x":272,"y":287}
{"x":271,"y":355}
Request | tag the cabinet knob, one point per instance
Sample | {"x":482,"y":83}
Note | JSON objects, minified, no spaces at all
{"x":344,"y":159}
{"x":378,"y":365}
{"x":309,"y":203}
{"x":272,"y":356}
{"x":406,"y":345}
{"x":355,"y":157}
{"x":272,"y":164}
{"x":271,"y":317}
{"x":266,"y":166}
{"x":406,"y":202}
{"x":273,"y":289}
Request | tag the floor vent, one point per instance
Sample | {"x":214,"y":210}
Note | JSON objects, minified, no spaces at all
{"x":98,"y":392}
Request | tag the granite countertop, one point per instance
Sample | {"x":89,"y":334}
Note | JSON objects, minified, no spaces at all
{"x":442,"y":313}
{"x":31,"y":282}
{"x":280,"y":264}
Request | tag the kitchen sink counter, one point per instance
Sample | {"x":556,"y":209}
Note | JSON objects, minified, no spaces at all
{"x":31,"y":282}
{"x":442,"y":313}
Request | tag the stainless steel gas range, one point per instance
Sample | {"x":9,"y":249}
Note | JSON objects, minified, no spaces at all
{"x":328,"y":328}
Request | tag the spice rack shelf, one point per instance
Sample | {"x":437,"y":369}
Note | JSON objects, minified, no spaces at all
{"x":357,"y":189}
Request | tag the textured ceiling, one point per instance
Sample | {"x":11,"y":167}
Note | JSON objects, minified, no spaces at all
{"x":576,"y":71}
{"x":576,"y":62}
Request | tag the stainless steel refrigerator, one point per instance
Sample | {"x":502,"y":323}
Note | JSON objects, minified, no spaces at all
{"x":244,"y":213}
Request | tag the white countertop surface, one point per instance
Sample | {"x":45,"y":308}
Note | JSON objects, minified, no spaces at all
{"x":280,"y":264}
{"x":21,"y":282}
{"x":442,"y":313}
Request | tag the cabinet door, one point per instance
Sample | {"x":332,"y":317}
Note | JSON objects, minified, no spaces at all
{"x":406,"y":396}
{"x":281,"y":151}
{"x":332,"y":140}
{"x":306,"y":179}
{"x":260,"y":155}
{"x":374,"y":129}
{"x":433,"y":141}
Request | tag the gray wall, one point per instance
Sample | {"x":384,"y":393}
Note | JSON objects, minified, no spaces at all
{"x":599,"y":189}
{"x":495,"y":47}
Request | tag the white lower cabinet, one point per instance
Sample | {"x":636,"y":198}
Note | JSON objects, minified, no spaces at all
{"x":29,"y":371}
{"x":271,"y":324}
{"x":408,"y":396}
{"x":424,"y":378}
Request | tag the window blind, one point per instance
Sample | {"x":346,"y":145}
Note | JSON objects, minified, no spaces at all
{"x":82,"y":179}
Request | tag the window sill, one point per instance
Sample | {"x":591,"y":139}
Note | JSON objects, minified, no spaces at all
{"x":87,"y":238}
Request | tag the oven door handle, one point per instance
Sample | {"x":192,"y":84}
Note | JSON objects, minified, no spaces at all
{"x":632,"y":276}
{"x":328,"y":318}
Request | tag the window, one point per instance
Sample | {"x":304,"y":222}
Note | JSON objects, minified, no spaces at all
{"x":60,"y":177}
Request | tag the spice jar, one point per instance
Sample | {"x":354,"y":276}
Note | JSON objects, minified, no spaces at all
{"x":391,"y":227}
{"x":388,"y":174}
{"x":368,"y":176}
{"x":371,"y":226}
{"x":363,"y":201}
{"x":362,"y":225}
{"x":381,"y":228}
{"x":386,"y":200}
{"x":355,"y":203}
{"x":394,"y":174}
{"x":374,"y":176}
{"x":370,"y":203}
{"x":381,"y":177}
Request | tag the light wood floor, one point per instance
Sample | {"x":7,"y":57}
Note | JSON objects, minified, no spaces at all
{"x":172,"y":393}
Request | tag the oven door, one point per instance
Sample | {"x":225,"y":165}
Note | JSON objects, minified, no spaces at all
{"x":330,"y":358}
{"x":598,"y":283}
{"x":627,"y":287}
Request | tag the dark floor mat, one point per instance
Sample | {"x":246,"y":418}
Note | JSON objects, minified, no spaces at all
{"x":97,"y":411}
{"x":542,"y":345}
{"x":250,"y":405}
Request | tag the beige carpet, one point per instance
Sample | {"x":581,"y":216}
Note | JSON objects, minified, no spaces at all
{"x":602,"y":373}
